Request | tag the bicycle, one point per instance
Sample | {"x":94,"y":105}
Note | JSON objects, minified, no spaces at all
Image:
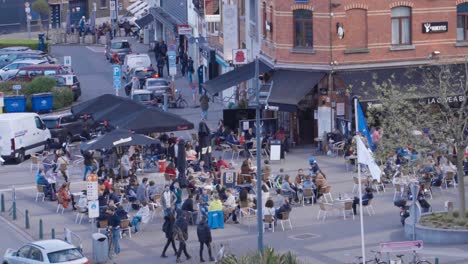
{"x":375,"y":260}
{"x":110,"y":239}
{"x":416,"y":259}
{"x":179,"y":101}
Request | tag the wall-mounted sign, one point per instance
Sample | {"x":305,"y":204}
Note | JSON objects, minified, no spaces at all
{"x":239,"y":56}
{"x":212,"y":11}
{"x":183,"y":29}
{"x":434,"y":27}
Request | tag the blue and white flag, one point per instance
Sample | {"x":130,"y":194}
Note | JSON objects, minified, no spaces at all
{"x":364,"y":156}
{"x":362,"y":125}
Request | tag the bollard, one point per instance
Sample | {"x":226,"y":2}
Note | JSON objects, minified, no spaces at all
{"x":26,"y":219}
{"x":41,"y":230}
{"x":166,"y":97}
{"x":436,"y":261}
{"x":53,"y":233}
{"x":2,"y":203}
{"x":14,"y":210}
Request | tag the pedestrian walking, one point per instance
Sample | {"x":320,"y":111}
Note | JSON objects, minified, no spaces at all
{"x":167,"y":65}
{"x":161,"y":62}
{"x":82,"y":25}
{"x":168,"y":229}
{"x":190,"y":69}
{"x":114,"y":224}
{"x":181,"y":234}
{"x":204,"y":105}
{"x":183,"y":63}
{"x":163,"y":48}
{"x":204,"y":237}
{"x":157,"y":50}
{"x":193,"y":87}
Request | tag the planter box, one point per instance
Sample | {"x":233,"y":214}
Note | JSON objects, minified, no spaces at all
{"x":435,"y":235}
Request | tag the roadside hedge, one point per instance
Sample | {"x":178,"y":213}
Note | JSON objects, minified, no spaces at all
{"x":31,"y":43}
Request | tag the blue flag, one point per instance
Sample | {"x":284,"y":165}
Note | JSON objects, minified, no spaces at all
{"x":362,"y":125}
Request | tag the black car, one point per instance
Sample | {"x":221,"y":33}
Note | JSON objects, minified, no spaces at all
{"x":64,"y":127}
{"x":142,"y":74}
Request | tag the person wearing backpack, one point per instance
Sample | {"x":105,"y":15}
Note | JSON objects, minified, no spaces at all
{"x":204,"y":237}
{"x":181,"y":234}
{"x":168,"y":229}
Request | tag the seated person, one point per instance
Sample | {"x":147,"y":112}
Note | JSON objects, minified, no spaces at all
{"x":246,"y":167}
{"x":65,"y":196}
{"x":269,"y":209}
{"x":190,"y":153}
{"x":41,"y":180}
{"x":187,"y":206}
{"x":232,"y":139}
{"x":142,"y":216}
{"x":171,"y":170}
{"x":285,"y":208}
{"x":288,"y":188}
{"x":300,"y":177}
{"x":308,"y":184}
{"x":244,"y":200}
{"x":320,"y":182}
{"x":203,"y":200}
{"x":221,"y":162}
{"x":279,"y":178}
{"x":191,"y":188}
{"x":131,"y":193}
{"x":215,"y":204}
{"x":266,"y":170}
{"x":202,"y":169}
{"x":113,"y":196}
{"x":230,"y":207}
{"x":121,"y":213}
{"x":368,"y":195}
{"x":152,"y":190}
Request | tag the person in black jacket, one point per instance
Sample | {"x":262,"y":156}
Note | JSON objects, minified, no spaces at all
{"x":168,"y":228}
{"x":204,"y":237}
{"x":181,"y":234}
{"x":187,"y":207}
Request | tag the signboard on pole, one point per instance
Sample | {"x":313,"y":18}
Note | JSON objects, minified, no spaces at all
{"x":184,"y":29}
{"x":172,"y":63}
{"x":92,"y":187}
{"x":93,"y":209}
{"x":68,"y":79}
{"x":401,"y":246}
{"x":67,"y":61}
{"x":116,"y":76}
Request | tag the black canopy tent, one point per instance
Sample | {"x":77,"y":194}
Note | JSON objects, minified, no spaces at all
{"x":117,"y":138}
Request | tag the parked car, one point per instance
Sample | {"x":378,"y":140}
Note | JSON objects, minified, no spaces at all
{"x":64,"y":127}
{"x":75,"y":87}
{"x":143,"y":96}
{"x":29,"y":56}
{"x":14,"y":48}
{"x":28,"y":73}
{"x":11,"y":69}
{"x":22,"y":134}
{"x":9,"y":57}
{"x":133,"y":61}
{"x":158,"y":86}
{"x":143,"y":73}
{"x":121,"y":47}
{"x":45,"y":251}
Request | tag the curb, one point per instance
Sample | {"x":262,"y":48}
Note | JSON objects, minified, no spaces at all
{"x":16,"y":229}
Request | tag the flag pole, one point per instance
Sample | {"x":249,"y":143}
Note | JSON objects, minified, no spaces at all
{"x":361,"y":215}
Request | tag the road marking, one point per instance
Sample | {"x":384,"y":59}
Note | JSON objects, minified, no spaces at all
{"x":19,"y":188}
{"x":95,"y":49}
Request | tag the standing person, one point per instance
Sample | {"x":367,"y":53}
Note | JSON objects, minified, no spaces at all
{"x":157,"y":50}
{"x":167,"y":65}
{"x":163,"y":48}
{"x":204,"y":237}
{"x":204,"y":105}
{"x":181,"y":234}
{"x":190,"y":69}
{"x":168,"y":200}
{"x":168,"y":229}
{"x":178,"y":193}
{"x":193,"y":88}
{"x":183,"y":63}
{"x":135,"y":84}
{"x":114,"y":224}
{"x":88,"y":163}
{"x":161,"y":62}
{"x":82,"y":25}
{"x":142,"y":192}
{"x":376,"y":137}
{"x":63,"y":162}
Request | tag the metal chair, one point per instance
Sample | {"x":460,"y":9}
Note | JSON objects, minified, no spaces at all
{"x":285,"y":218}
{"x":80,"y":213}
{"x":449,"y":178}
{"x":267,"y":221}
{"x":307,"y":193}
{"x":236,"y":149}
{"x":369,"y":207}
{"x":348,"y":207}
{"x":40,"y":192}
{"x":125,"y":227}
{"x":324,"y":208}
{"x":59,"y":204}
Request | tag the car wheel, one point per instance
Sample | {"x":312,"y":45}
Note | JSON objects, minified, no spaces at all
{"x":20,"y":157}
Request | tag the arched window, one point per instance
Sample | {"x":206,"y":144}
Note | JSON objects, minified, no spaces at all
{"x":303,"y":28}
{"x":401,"y":25}
{"x":462,"y":22}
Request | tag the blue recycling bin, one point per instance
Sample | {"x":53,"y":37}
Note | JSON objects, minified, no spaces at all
{"x":41,"y":42}
{"x":42,"y":102}
{"x":15,"y":103}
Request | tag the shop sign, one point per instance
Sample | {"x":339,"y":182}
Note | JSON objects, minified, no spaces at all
{"x":183,"y":29}
{"x":239,"y":56}
{"x":448,"y":99}
{"x":434,"y":27}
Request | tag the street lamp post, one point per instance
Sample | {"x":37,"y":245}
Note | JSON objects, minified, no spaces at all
{"x":259,"y":158}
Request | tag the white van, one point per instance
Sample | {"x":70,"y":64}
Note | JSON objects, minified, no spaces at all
{"x":132,"y":61}
{"x":22,"y":134}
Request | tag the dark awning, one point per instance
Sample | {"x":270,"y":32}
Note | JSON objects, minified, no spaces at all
{"x":144,"y":21}
{"x":362,"y":83}
{"x":291,"y":86}
{"x":166,"y":19}
{"x":234,"y":77}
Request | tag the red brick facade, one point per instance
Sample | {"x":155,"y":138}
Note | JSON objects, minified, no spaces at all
{"x":368,"y":32}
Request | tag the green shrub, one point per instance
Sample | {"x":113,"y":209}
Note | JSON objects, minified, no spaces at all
{"x":455,"y":214}
{"x":30,"y":43}
{"x":269,"y":256}
{"x":63,"y":97}
{"x":39,"y":85}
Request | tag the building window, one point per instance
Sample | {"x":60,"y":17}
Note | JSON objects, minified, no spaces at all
{"x":264,"y":20}
{"x":358,"y":37}
{"x":401,"y":25}
{"x":253,"y":11}
{"x":303,"y":31}
{"x":103,"y":3}
{"x":462,"y":22}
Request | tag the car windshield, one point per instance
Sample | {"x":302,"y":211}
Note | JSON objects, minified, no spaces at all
{"x":144,"y":74}
{"x":142,"y":97}
{"x":157,"y":83}
{"x":120,"y":45}
{"x":64,"y":255}
{"x":140,"y":61}
{"x":50,"y":123}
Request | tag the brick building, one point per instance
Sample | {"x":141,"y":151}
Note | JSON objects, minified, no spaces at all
{"x":322,"y":53}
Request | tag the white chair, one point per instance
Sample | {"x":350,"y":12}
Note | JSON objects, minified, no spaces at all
{"x":59,"y":204}
{"x":397,"y":191}
{"x":40,"y":192}
{"x":326,"y":192}
{"x":236,"y":149}
{"x":125,"y":227}
{"x":285,"y":219}
{"x":80,"y":213}
{"x":324,"y":208}
{"x":225,"y":148}
{"x":307,"y":193}
{"x":348,"y":207}
{"x":36,"y":162}
{"x":102,"y":225}
{"x":267,"y":221}
{"x":369,"y":207}
{"x":377,"y":185}
{"x":450,"y":178}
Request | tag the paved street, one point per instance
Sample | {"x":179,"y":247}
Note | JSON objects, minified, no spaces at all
{"x":9,"y":237}
{"x":334,"y":240}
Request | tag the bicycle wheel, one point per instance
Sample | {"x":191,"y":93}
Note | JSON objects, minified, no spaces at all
{"x":423,"y":262}
{"x":182,"y":103}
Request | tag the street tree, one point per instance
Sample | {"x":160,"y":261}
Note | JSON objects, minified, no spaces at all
{"x":43,"y":8}
{"x":429,"y":116}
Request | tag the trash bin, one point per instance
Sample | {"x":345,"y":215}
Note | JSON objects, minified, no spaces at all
{"x":41,"y":42}
{"x":100,"y":248}
{"x":42,"y":102}
{"x":162,"y":165}
{"x":15,"y":103}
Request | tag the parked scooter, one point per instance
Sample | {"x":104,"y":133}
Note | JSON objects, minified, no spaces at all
{"x":404,"y":210}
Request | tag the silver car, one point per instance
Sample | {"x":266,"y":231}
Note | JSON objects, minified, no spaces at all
{"x":120,"y":46}
{"x":157,"y":85}
{"x":11,"y":69}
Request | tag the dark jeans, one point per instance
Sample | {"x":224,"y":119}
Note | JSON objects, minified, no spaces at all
{"x":169,"y":241}
{"x":201,"y":249}
{"x":182,"y":247}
